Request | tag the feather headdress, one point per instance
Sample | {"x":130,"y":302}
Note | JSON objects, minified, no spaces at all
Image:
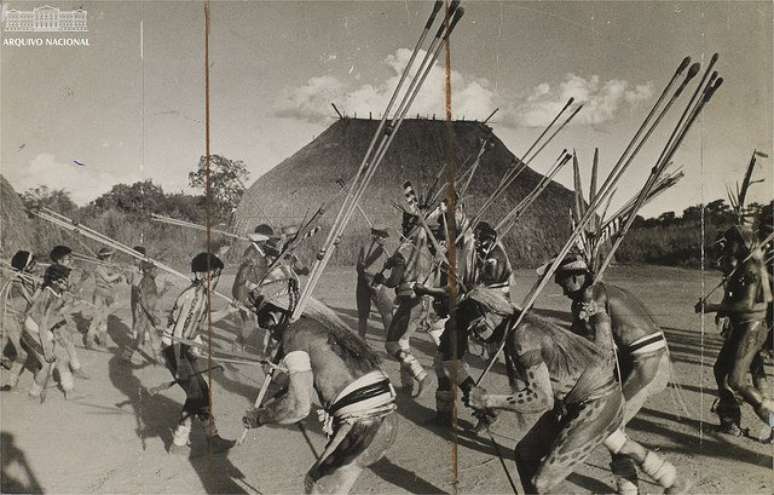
{"x":737,"y":197}
{"x":604,"y":230}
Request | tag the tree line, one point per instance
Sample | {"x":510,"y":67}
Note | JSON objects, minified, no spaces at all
{"x":124,"y":212}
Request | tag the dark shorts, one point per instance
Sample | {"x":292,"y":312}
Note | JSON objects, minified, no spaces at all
{"x":197,"y":393}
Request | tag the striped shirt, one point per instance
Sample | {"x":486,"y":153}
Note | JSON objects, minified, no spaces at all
{"x":187,"y":314}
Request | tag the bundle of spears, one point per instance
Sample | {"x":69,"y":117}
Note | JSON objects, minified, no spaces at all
{"x":386,"y":131}
{"x":589,"y":236}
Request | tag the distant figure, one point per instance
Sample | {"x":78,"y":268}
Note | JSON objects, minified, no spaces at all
{"x":148,"y":296}
{"x":251,"y":270}
{"x":325,"y":360}
{"x":62,"y":255}
{"x":106,"y":279}
{"x":43,"y":321}
{"x":366,"y":292}
{"x":133,"y":278}
{"x":745,"y":301}
{"x":16,"y":297}
{"x":290,"y":259}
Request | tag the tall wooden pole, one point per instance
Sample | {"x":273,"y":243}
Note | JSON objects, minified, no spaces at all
{"x":451,"y":226}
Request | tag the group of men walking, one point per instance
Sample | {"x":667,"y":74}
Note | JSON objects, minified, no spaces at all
{"x":587,"y":381}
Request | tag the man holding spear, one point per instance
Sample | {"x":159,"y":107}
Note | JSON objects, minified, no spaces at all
{"x":147,"y":297}
{"x":747,"y":295}
{"x":43,"y":320}
{"x":63,"y":255}
{"x":17,"y":294}
{"x":408,"y":265}
{"x":366,"y":292}
{"x":320,"y":354}
{"x":610,"y":316}
{"x":189,"y":312}
{"x":252,"y":268}
{"x":567,"y":379}
{"x":104,"y":297}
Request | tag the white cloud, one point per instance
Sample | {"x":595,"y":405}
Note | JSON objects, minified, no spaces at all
{"x":602,"y":101}
{"x":84,"y":183}
{"x":471,"y":97}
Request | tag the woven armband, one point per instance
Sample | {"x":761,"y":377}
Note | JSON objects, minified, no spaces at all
{"x":297,"y":362}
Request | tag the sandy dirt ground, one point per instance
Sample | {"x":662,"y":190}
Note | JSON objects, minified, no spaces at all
{"x":112,"y":436}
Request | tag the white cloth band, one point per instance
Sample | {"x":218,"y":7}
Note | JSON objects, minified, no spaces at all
{"x":658,"y":342}
{"x":615,"y":441}
{"x":297,"y":362}
{"x":367,"y":404}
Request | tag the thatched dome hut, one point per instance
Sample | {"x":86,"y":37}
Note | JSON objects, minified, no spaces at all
{"x":301,"y":183}
{"x":16,"y":230}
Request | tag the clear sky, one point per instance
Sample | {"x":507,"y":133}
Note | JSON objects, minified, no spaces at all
{"x":130,"y":105}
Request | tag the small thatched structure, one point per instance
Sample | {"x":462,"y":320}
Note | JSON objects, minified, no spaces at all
{"x":16,"y":230}
{"x":301,"y":183}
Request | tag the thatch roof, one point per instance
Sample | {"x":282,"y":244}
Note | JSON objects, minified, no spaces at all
{"x":16,"y":230}
{"x":304,"y":181}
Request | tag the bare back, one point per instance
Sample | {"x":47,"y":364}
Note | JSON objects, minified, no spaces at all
{"x":338,"y":357}
{"x":631,"y":320}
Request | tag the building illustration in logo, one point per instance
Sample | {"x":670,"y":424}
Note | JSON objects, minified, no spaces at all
{"x":46,"y":19}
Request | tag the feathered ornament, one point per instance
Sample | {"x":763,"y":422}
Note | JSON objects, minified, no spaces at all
{"x":604,"y":230}
{"x":737,"y":197}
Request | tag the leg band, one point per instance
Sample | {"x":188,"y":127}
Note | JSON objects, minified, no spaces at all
{"x":615,"y":441}
{"x":658,"y":468}
{"x":183,"y":432}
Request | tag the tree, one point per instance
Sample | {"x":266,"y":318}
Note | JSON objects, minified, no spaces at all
{"x":692,"y":213}
{"x":226,"y":184}
{"x":718,"y":212}
{"x":667,"y":218}
{"x":140,"y":198}
{"x":55,"y":199}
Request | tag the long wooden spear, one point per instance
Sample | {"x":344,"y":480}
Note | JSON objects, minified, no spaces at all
{"x":370,"y":164}
{"x":512,"y":217}
{"x":191,"y":225}
{"x":613,"y":177}
{"x":92,"y":234}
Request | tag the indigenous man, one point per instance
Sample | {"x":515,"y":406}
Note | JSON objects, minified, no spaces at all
{"x":133,"y":278}
{"x":322,"y":355}
{"x":62,"y":255}
{"x":178,"y":347}
{"x":492,"y":268}
{"x":568,"y":379}
{"x":43,"y":321}
{"x":251,"y":271}
{"x":437,"y":288}
{"x":104,"y":297}
{"x":408,"y":265}
{"x":747,"y":294}
{"x":148,"y":295}
{"x":287,"y":234}
{"x":366,"y":292}
{"x":613,"y":318}
{"x":17,"y":295}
